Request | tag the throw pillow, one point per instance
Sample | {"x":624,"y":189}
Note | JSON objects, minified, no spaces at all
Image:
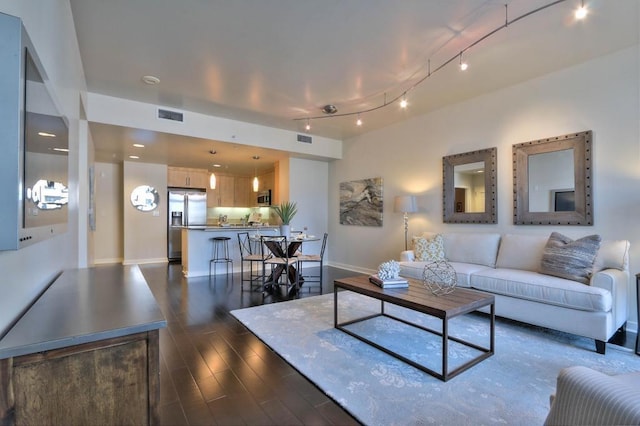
{"x":566,"y":258}
{"x":428,"y":249}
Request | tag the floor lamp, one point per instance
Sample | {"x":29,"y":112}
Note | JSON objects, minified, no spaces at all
{"x":405,"y":204}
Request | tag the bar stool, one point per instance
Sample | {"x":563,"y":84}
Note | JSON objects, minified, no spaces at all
{"x":221,"y":254}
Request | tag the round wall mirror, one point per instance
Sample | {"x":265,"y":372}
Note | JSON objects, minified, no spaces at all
{"x":48,"y":194}
{"x":145,"y":198}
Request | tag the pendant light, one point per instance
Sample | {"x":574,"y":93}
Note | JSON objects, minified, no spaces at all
{"x":212,"y":176}
{"x":256,"y":183}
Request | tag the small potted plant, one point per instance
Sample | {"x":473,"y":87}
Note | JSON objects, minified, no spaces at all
{"x":286,"y":210}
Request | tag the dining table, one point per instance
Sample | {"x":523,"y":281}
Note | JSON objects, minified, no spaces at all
{"x":294,"y":244}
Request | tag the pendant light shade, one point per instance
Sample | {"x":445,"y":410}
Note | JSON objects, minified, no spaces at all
{"x":212,"y":181}
{"x":256,"y":184}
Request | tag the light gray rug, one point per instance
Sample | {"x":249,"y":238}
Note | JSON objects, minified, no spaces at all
{"x":511,"y":387}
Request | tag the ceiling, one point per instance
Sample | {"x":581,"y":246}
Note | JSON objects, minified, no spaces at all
{"x":278,"y":62}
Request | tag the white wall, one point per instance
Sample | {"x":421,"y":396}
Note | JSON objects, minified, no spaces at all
{"x":26,"y":272}
{"x":308,"y":187}
{"x":145,"y":233}
{"x":600,"y":95}
{"x":109,"y":198}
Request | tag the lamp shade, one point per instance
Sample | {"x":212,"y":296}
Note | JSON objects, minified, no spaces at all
{"x":212,"y":181}
{"x":405,"y":204}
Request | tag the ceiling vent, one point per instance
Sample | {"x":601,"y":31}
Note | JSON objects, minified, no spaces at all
{"x":304,"y":138}
{"x":165,"y":114}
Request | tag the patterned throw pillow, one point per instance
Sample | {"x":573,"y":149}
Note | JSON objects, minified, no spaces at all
{"x":566,"y":258}
{"x":428,"y":249}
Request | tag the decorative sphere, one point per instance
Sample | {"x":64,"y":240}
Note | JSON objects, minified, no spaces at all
{"x":439,"y":277}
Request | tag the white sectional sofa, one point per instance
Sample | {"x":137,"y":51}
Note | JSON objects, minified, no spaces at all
{"x":507,"y":266}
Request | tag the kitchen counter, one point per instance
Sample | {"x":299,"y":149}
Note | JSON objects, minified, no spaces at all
{"x":86,"y":352}
{"x":197,"y":248}
{"x":230,"y":227}
{"x":83,"y":306}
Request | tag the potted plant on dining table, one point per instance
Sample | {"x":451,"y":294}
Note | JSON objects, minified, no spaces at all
{"x":286,"y":210}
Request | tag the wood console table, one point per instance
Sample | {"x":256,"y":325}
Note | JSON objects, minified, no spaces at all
{"x":86,"y":352}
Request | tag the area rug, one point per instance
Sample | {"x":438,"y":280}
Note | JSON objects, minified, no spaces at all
{"x":511,"y":387}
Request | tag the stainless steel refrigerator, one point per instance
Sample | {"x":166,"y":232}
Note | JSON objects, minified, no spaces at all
{"x":187,"y":207}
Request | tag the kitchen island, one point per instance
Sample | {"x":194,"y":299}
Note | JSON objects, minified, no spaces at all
{"x":197,"y":246}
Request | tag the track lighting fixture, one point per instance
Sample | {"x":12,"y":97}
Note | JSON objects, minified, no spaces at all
{"x":581,"y":12}
{"x":331,"y":111}
{"x":463,"y":64}
{"x":403,"y":102}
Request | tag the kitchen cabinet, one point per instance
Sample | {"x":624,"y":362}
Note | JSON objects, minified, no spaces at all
{"x":243,"y":191}
{"x":236,"y":191}
{"x":224,"y":194}
{"x":184,"y":177}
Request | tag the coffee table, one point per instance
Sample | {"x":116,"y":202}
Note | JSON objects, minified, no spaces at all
{"x":418,"y":298}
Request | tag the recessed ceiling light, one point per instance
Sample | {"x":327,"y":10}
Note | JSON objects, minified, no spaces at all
{"x":138,"y":145}
{"x":47,"y":135}
{"x":216,"y":165}
{"x":150,"y":79}
{"x":134,"y":157}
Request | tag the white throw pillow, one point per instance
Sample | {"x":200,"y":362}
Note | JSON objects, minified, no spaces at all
{"x":428,"y":249}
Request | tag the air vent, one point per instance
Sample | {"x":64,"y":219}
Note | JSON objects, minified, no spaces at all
{"x":304,"y":138}
{"x":170,"y":115}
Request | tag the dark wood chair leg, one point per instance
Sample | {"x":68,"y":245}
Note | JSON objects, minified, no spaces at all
{"x":601,"y":346}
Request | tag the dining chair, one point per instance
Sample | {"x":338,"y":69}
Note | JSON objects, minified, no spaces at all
{"x":283,"y":271}
{"x":251,"y":255}
{"x":313,"y":258}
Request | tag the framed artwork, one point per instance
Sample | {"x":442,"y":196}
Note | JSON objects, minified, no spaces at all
{"x":361,"y":202}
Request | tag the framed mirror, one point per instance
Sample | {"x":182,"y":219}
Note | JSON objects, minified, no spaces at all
{"x":552,"y":181}
{"x":469,"y":187}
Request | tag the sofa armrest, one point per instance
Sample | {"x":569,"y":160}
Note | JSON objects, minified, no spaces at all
{"x":588,"y":397}
{"x":407,"y":256}
{"x":617,"y":283}
{"x":610,"y":279}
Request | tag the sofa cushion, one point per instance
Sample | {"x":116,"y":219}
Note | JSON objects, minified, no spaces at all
{"x":428,"y":249}
{"x":566,"y":258}
{"x":463,"y":271}
{"x":612,"y":254}
{"x":512,"y":248}
{"x":481,"y":249}
{"x":542,"y":288}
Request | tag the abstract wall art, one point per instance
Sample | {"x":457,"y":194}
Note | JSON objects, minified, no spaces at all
{"x":361,"y":202}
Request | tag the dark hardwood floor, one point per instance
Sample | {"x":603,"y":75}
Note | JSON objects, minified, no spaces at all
{"x":214,"y":371}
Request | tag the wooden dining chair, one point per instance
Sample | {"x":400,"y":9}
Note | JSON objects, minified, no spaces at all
{"x":313,"y":258}
{"x":255,"y":258}
{"x":283,"y":266}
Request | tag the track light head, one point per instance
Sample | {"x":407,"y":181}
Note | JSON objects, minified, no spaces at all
{"x":403,"y":102}
{"x":581,"y":12}
{"x":463,"y":64}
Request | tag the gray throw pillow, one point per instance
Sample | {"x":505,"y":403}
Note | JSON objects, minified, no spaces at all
{"x":566,"y":258}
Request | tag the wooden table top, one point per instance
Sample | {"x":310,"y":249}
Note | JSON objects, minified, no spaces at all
{"x":417,"y":297}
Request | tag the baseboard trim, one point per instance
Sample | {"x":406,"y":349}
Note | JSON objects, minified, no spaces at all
{"x":145,"y":261}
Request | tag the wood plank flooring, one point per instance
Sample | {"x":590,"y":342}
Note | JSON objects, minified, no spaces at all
{"x":214,"y":371}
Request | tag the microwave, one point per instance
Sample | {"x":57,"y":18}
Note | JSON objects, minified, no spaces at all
{"x":264,"y":198}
